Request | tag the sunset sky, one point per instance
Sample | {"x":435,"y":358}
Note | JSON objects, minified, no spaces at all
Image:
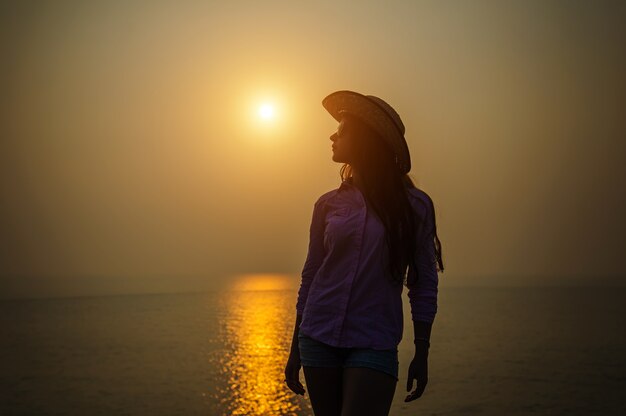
{"x":133,"y":156}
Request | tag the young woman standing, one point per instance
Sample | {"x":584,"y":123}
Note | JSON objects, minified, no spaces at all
{"x":364,"y":236}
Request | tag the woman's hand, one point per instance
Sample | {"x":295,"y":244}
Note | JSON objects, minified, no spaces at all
{"x":292,"y":373}
{"x":418,"y":370}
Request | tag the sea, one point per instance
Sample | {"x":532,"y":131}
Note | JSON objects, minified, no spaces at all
{"x":494,"y":351}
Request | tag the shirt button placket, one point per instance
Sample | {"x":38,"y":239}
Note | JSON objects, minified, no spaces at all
{"x":353,"y":271}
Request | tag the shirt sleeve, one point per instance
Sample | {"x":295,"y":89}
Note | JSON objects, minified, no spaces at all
{"x":423,"y":292}
{"x":314,"y":257}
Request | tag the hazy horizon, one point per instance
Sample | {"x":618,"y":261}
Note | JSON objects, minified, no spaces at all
{"x":95,"y":286}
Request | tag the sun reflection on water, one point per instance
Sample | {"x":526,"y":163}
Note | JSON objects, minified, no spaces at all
{"x":257,"y":331}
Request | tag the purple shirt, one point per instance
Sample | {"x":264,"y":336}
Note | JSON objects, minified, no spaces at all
{"x":345,"y":296}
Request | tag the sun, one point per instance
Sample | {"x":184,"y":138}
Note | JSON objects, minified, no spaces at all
{"x":266,"y":111}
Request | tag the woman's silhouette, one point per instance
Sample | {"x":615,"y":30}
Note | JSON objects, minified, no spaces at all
{"x":364,"y":236}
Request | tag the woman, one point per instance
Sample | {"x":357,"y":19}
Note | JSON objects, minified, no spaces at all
{"x":364,"y":236}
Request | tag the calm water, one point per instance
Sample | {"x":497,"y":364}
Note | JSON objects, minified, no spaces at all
{"x":503,"y":351}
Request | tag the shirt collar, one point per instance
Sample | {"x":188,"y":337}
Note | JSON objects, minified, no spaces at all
{"x":346,"y":184}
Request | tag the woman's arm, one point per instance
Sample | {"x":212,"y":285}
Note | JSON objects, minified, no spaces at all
{"x":421,"y":330}
{"x":314,"y":257}
{"x":294,"y":340}
{"x":313,"y":262}
{"x":292,"y":369}
{"x":418,"y":369}
{"x":423,"y":283}
{"x":424,"y":306}
{"x":422,"y":288}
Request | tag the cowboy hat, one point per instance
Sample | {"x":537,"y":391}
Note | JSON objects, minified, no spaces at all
{"x":378,"y":115}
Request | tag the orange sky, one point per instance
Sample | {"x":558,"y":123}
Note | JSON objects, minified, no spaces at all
{"x":132,"y":158}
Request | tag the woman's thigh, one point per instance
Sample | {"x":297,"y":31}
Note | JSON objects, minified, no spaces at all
{"x":369,"y":381}
{"x":348,"y":381}
{"x":322,"y":365}
{"x":324,"y":385}
{"x":367,"y":391}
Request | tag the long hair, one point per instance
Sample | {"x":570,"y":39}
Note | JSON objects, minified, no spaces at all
{"x":385,"y":188}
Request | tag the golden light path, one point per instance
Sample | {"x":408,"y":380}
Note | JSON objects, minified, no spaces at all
{"x":258,"y":328}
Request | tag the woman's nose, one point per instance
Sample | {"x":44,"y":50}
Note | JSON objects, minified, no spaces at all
{"x":333,"y":137}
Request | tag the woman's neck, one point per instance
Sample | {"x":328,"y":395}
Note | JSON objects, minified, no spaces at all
{"x":357,"y":179}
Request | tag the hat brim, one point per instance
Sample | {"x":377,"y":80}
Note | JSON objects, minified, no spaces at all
{"x":375,"y":116}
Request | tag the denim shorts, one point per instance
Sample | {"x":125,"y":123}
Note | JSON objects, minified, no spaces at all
{"x":314,"y":353}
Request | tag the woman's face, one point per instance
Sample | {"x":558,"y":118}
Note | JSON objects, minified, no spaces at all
{"x":344,"y":142}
